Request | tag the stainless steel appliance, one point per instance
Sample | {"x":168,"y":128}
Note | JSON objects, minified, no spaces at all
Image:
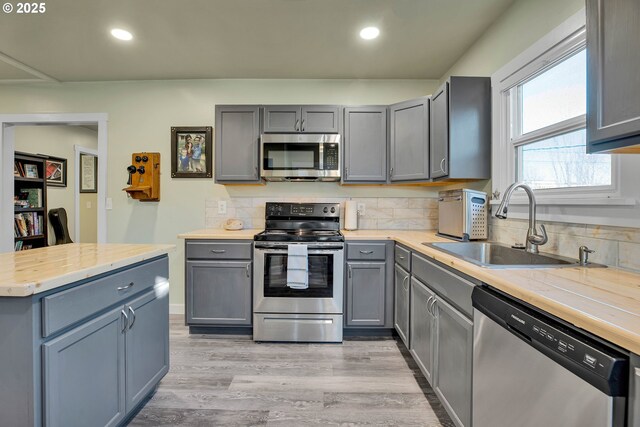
{"x":532,"y":370}
{"x":463,"y":214}
{"x":281,"y":313}
{"x":300,"y":157}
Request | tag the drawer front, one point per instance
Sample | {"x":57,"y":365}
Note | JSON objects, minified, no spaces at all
{"x":403,"y":257}
{"x":65,"y":308}
{"x":207,"y":249}
{"x":366,"y":251}
{"x":456,"y":290}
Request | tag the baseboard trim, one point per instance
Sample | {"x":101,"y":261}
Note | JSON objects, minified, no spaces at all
{"x":176,"y":308}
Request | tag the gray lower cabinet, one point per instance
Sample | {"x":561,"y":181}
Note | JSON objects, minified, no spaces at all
{"x":301,"y":118}
{"x":409,"y":140}
{"x":366,"y":289}
{"x":634,"y":391}
{"x":219,"y":293}
{"x":237,"y":132}
{"x":84,"y":374}
{"x":147,"y":345}
{"x":422,"y":328}
{"x":365,"y":144}
{"x":453,"y":352}
{"x":402,"y":308}
{"x":613,"y":82}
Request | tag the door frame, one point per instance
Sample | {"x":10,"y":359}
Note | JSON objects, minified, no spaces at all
{"x":8,"y":124}
{"x":78,"y":150}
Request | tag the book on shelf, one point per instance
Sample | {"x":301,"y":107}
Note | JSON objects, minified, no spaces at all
{"x":33,"y":196}
{"x":19,"y":168}
{"x":20,"y":246}
{"x":28,"y":224}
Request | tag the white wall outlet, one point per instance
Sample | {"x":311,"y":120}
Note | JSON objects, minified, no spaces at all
{"x":222,"y":207}
{"x":108,"y":204}
{"x":361,"y":208}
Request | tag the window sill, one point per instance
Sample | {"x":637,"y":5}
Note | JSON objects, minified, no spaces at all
{"x":577,"y":201}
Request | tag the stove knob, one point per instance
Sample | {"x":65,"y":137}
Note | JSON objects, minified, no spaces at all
{"x":333,"y":210}
{"x":325,"y":210}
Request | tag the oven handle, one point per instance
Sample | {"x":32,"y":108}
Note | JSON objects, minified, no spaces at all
{"x":314,"y":249}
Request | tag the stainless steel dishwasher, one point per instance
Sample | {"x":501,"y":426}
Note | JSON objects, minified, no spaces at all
{"x":531,"y":370}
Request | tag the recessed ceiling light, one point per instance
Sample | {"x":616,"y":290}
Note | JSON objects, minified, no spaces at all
{"x":121,"y":34}
{"x":369,"y":33}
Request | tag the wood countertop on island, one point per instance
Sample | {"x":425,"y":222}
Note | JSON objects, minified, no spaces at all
{"x":38,"y":270}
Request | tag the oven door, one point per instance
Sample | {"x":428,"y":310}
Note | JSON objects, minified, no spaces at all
{"x":326,"y":282}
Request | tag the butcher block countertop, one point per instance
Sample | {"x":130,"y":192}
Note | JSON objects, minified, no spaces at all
{"x":603,"y":301}
{"x":34,"y":271}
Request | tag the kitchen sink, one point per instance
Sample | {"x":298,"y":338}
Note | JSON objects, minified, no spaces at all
{"x":497,"y":255}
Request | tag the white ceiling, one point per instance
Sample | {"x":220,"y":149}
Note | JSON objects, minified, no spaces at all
{"x":194,"y":39}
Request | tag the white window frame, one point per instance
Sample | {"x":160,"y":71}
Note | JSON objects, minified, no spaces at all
{"x":562,"y":42}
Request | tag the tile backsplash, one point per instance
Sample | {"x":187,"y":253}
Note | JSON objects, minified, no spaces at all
{"x":399,"y":213}
{"x":614,"y":246}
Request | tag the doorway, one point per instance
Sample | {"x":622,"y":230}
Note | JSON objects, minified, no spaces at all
{"x":9,"y":124}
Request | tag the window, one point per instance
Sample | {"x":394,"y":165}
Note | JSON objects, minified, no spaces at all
{"x":547,"y":127}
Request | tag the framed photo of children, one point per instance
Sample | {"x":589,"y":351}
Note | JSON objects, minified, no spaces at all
{"x":56,"y":172}
{"x":191,"y":149}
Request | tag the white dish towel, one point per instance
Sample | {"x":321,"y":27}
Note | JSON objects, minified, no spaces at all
{"x":297,"y":266}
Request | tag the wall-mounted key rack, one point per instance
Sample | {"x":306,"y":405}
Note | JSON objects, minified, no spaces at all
{"x":144,"y":177}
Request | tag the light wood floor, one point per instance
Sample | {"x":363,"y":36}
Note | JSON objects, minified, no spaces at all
{"x":217,"y":381}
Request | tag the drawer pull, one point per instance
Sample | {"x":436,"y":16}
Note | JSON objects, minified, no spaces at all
{"x":218,"y":251}
{"x":133,"y":317}
{"x":248,"y":272}
{"x":122,"y":288}
{"x":366,"y":252}
{"x":125,"y":320}
{"x":400,"y":256}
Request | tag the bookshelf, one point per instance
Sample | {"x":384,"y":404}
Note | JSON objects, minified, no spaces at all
{"x":30,"y":201}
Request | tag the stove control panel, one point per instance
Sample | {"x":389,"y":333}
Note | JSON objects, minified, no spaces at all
{"x":293,"y":210}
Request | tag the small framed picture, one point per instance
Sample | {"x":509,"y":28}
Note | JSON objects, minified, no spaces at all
{"x":31,"y":171}
{"x":88,"y":173}
{"x":56,"y":172}
{"x":191,"y":152}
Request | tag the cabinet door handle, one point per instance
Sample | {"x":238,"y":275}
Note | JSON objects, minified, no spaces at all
{"x":122,"y":288}
{"x":302,"y":125}
{"x":427,"y":304}
{"x":433,"y":306}
{"x":346,"y":171}
{"x":350,"y":272}
{"x":442,"y":164}
{"x":218,"y":251}
{"x":248,"y":272}
{"x":133,"y":317}
{"x":366,"y":252}
{"x":405,"y":280}
{"x":125,"y":320}
{"x":391,"y":172}
{"x":256,"y":171}
{"x":296,"y":126}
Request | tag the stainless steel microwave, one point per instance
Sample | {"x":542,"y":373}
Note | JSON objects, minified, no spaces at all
{"x":300,"y":157}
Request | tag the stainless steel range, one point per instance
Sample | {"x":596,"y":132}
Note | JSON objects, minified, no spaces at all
{"x":282,"y":312}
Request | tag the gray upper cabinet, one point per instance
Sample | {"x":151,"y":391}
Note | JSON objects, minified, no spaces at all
{"x":237,"y":132}
{"x":613,"y":81}
{"x":301,"y":118}
{"x":365,"y":144}
{"x":422,"y":328}
{"x":84,"y":374}
{"x":366,"y":288}
{"x":320,"y":119}
{"x":439,"y":140}
{"x":409,"y":140}
{"x":282,"y":118}
{"x":147,"y":344}
{"x":453,"y":354}
{"x":461,"y":129}
{"x":401,"y":308}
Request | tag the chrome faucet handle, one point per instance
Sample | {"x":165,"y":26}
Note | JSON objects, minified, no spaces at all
{"x":583,"y":255}
{"x":539,"y":239}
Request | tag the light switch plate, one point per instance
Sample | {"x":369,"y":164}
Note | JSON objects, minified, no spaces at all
{"x":222,"y":207}
{"x":108,"y":204}
{"x":88,"y":205}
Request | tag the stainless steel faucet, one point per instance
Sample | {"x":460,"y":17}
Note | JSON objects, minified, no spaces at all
{"x":533,"y":238}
